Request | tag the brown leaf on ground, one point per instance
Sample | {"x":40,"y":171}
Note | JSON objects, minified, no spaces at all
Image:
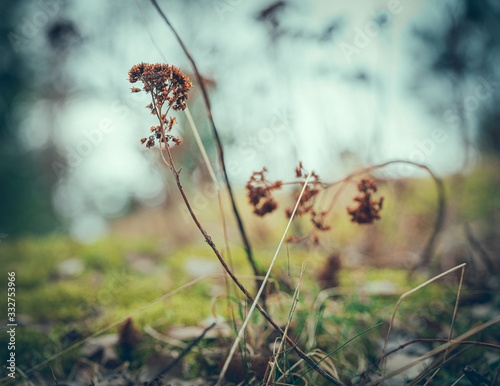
{"x":327,"y":276}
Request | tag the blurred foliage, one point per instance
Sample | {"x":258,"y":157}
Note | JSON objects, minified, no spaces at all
{"x":465,"y":50}
{"x":25,"y":205}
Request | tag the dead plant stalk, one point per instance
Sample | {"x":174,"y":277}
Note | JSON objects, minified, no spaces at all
{"x":176,"y":173}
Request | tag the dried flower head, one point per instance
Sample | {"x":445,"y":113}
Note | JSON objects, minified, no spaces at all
{"x":293,"y":239}
{"x":169,"y":89}
{"x":312,"y":189}
{"x":260,"y":193}
{"x":367,"y":210}
{"x":318,"y":219}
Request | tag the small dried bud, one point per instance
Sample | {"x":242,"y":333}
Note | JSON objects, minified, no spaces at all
{"x":367,"y":210}
{"x":259,"y":193}
{"x":168,"y":87}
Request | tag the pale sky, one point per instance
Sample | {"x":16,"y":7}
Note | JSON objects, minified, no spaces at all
{"x":275,"y":104}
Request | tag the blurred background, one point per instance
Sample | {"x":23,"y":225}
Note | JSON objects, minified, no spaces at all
{"x":93,"y":225}
{"x":335,"y":85}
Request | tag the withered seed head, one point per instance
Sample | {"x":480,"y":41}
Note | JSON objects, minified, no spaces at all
{"x":259,"y":193}
{"x":367,"y":210}
{"x":168,"y":87}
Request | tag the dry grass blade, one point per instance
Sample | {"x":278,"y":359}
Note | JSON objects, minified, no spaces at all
{"x":462,"y":342}
{"x":408,"y":294}
{"x":208,"y":164}
{"x":435,"y":372}
{"x":458,"y":380}
{"x":25,"y":377}
{"x":295,"y":301}
{"x":338,"y":348}
{"x":329,"y":365}
{"x":289,"y":371}
{"x":218,"y":142}
{"x":451,"y":327}
{"x":197,"y":137}
{"x":439,"y":349}
{"x":456,"y":307}
{"x":438,"y":364}
{"x":435,"y":366}
{"x":261,"y":289}
{"x":203,"y":151}
{"x":419,"y":340}
{"x":163,"y":338}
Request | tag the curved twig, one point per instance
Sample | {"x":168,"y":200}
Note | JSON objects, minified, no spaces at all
{"x":220,"y":149}
{"x":427,"y":252}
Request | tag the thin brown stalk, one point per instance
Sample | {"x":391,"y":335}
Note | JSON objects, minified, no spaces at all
{"x":220,"y":149}
{"x":261,"y":289}
{"x":208,"y":239}
{"x":406,"y":294}
{"x":432,"y":340}
{"x":427,"y":340}
{"x":435,"y":373}
{"x":435,"y":366}
{"x":457,"y":301}
{"x":458,"y":380}
{"x":438,"y":350}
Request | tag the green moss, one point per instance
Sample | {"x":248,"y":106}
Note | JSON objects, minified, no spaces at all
{"x":34,"y":346}
{"x":109,"y":289}
{"x":480,"y":195}
{"x":56,"y":302}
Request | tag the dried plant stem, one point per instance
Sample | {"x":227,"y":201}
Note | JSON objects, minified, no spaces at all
{"x":208,"y":239}
{"x":261,"y":289}
{"x":208,"y":164}
{"x":457,"y":301}
{"x":408,"y":294}
{"x":458,"y":380}
{"x":430,"y":340}
{"x":438,"y":350}
{"x":295,"y":301}
{"x":199,"y":142}
{"x":451,"y":332}
{"x":220,"y":149}
{"x":435,"y":366}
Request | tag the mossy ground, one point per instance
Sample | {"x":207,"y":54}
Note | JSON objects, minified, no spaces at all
{"x":54,"y":312}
